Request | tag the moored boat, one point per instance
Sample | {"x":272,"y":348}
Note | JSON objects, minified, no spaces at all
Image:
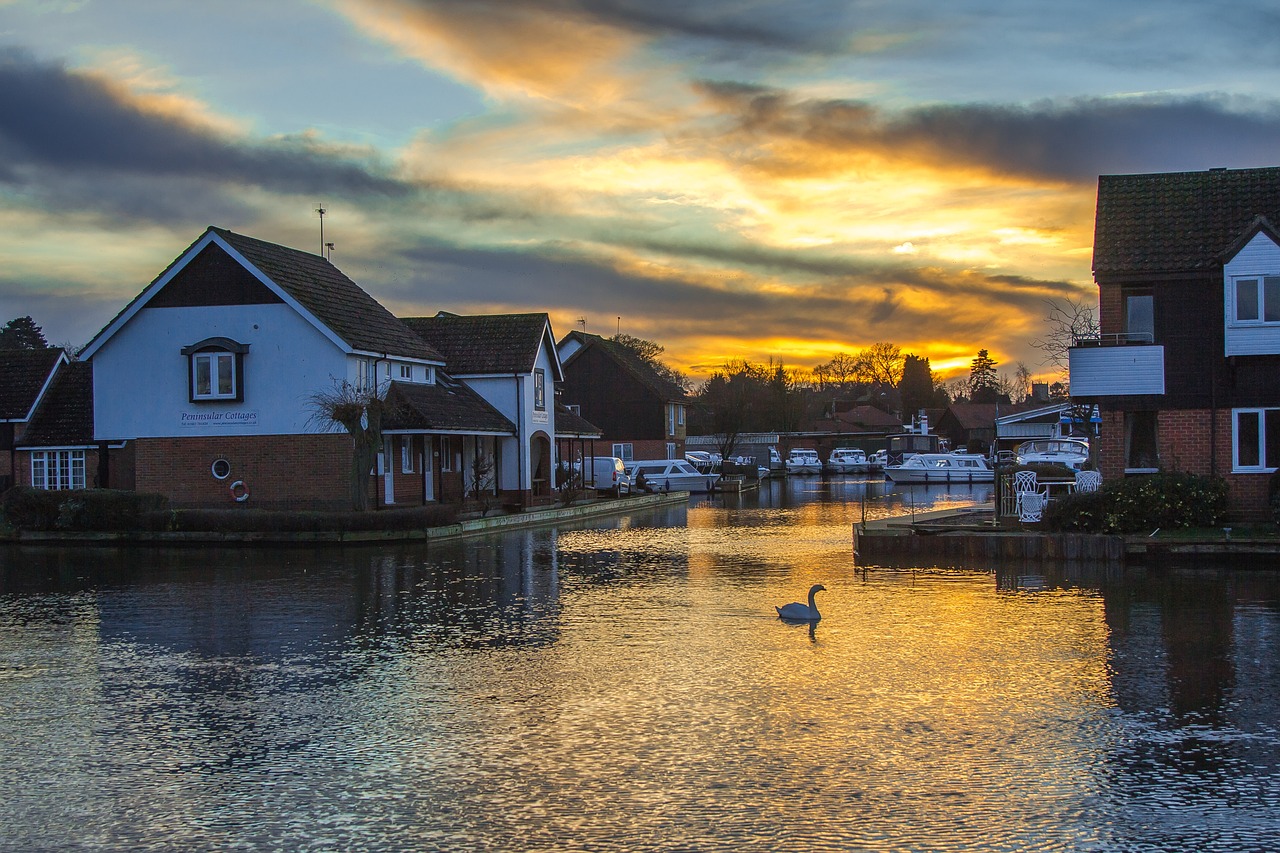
{"x":802,"y":460}
{"x":669,"y":475}
{"x":942,"y":468}
{"x":1072,"y":452}
{"x":848,"y":460}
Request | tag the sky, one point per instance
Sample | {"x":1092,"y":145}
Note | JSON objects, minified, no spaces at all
{"x":733,"y":179}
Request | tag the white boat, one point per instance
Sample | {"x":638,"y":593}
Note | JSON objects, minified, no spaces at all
{"x":1072,"y":452}
{"x":804,"y":461}
{"x":848,"y":460}
{"x":668,"y":475}
{"x":942,"y":468}
{"x":876,"y":461}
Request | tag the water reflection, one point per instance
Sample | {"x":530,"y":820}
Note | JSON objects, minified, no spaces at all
{"x":627,"y":685}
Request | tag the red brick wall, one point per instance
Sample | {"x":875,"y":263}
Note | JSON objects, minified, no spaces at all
{"x":1110,"y":309}
{"x":1185,"y":437}
{"x":651,"y":449}
{"x":280,"y":472}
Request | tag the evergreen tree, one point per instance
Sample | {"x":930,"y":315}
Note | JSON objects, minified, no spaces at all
{"x":983,"y":376}
{"x":918,"y":387}
{"x":22,"y":333}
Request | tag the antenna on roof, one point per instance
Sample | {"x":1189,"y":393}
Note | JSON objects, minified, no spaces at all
{"x":329,"y":249}
{"x":320,"y":210}
{"x":619,"y":332}
{"x":582,"y":321}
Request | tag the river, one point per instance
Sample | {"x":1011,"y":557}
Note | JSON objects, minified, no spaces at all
{"x":625,"y":684}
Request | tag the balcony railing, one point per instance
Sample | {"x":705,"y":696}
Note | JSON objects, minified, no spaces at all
{"x":1116,"y":339}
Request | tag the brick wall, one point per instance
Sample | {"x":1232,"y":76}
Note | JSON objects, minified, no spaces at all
{"x":1186,"y":436}
{"x":280,"y":472}
{"x":1110,"y":310}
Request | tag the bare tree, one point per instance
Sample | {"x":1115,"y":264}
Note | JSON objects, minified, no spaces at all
{"x":1068,"y":322}
{"x":360,"y":411}
{"x":882,"y":364}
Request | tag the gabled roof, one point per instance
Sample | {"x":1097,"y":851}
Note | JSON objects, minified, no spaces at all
{"x":64,"y":417}
{"x":487,"y":344}
{"x":867,"y":417}
{"x":1179,"y":221}
{"x":446,"y":406}
{"x":24,"y":376}
{"x":626,"y":358}
{"x":971,"y":416}
{"x":335,"y":303}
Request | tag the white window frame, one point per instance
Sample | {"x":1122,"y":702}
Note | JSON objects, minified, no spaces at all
{"x":214,"y":361}
{"x":406,"y":454}
{"x":671,"y":450}
{"x":624,"y":450}
{"x":66,"y":472}
{"x":1259,"y":283}
{"x":540,"y":390}
{"x":1261,"y":418}
{"x":680,"y":414}
{"x":406,"y":371}
{"x":366,"y":374}
{"x":671,"y":418}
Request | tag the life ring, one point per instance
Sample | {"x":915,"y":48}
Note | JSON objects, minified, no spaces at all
{"x":239,"y":491}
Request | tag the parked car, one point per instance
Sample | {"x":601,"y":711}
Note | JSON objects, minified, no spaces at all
{"x":605,"y":474}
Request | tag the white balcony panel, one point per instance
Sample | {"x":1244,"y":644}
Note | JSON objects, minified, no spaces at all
{"x":1112,"y":371}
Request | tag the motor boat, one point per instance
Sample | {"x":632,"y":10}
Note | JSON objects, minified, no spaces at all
{"x":942,"y":468}
{"x":876,"y":461}
{"x":1071,"y":452}
{"x":804,"y":461}
{"x":669,"y":475}
{"x":848,"y":460}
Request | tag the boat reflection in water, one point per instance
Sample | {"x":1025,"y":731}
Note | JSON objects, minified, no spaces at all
{"x":628,"y":685}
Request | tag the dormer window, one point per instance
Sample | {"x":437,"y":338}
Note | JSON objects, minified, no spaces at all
{"x":1257,"y":299}
{"x":215,"y":370}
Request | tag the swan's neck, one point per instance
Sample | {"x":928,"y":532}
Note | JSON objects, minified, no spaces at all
{"x":813,"y":605}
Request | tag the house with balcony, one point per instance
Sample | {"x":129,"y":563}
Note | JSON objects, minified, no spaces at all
{"x":640,"y":413}
{"x":205,"y":386}
{"x":1186,"y":370}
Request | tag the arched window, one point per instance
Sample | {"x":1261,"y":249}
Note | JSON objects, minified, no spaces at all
{"x":216,"y":370}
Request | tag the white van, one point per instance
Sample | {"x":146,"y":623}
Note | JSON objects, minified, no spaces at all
{"x":605,"y":474}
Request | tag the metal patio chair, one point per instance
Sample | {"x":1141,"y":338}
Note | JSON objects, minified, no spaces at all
{"x":1087,"y":481}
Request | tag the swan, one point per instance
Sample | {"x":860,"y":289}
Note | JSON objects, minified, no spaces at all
{"x":796,"y":610}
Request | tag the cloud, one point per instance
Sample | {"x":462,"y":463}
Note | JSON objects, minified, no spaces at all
{"x":1072,"y":140}
{"x":55,"y":121}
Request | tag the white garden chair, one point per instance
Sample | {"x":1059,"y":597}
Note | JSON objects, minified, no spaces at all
{"x":1030,"y":496}
{"x":1031,"y":506}
{"x":1087,"y":481}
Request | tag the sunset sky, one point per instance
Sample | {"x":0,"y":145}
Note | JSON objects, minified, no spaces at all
{"x":731,"y":178}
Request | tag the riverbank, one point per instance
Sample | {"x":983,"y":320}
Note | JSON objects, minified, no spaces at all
{"x":970,"y":537}
{"x":470,"y":527}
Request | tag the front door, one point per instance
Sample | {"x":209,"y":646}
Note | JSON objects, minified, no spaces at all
{"x":428,"y":484}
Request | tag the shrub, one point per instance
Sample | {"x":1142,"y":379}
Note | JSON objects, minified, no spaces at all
{"x":1141,"y":504}
{"x":78,"y":510}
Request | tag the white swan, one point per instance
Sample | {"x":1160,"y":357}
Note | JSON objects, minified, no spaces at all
{"x":796,"y":610}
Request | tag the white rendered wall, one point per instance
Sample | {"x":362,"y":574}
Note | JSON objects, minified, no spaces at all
{"x":140,"y":375}
{"x":1259,"y":257}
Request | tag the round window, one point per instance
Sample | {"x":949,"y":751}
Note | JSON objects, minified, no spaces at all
{"x":221,"y":469}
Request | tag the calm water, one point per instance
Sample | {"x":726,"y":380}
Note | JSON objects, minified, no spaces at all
{"x":627,"y":686}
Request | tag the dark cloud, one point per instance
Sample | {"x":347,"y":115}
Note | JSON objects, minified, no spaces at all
{"x":64,"y":121}
{"x":1075,"y":140}
{"x":814,"y":26}
{"x":838,"y":307}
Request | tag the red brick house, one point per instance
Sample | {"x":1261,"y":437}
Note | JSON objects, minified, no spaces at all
{"x":26,"y":375}
{"x":1186,"y":372}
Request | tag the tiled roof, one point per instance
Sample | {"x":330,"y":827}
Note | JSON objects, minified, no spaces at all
{"x":571,"y":423}
{"x":971,"y":416}
{"x":632,"y":363}
{"x":483,"y":343}
{"x":1178,"y":221}
{"x":867,"y":416}
{"x":337,"y":301}
{"x":447,"y":405}
{"x":65,"y":415}
{"x":23,"y":372}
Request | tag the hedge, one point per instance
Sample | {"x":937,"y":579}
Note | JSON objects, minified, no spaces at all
{"x":80,"y":509}
{"x":1167,"y":500}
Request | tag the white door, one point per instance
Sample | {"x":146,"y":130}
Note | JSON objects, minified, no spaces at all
{"x":428,"y":483}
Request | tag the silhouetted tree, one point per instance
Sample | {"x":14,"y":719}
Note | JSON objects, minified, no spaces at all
{"x":982,"y":376}
{"x":22,"y":333}
{"x":1068,"y":322}
{"x":918,"y":387}
{"x":360,"y":412}
{"x":651,"y":352}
